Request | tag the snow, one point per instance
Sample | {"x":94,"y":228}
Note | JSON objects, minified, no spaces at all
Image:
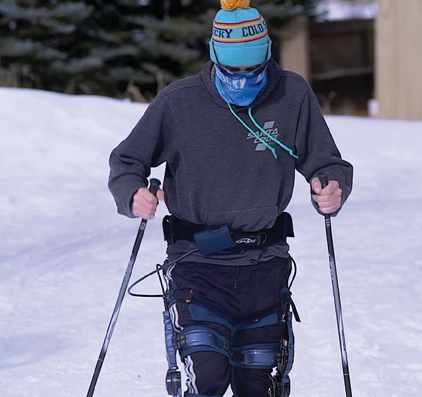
{"x":64,"y":251}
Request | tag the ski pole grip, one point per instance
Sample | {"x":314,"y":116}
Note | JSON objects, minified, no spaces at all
{"x":324,"y":180}
{"x":154,"y":184}
{"x":324,"y":183}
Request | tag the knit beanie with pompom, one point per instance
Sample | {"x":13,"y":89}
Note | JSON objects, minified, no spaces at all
{"x":239,"y":36}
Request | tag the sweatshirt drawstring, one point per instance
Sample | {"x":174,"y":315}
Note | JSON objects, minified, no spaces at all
{"x":266,"y":144}
{"x":281,"y":144}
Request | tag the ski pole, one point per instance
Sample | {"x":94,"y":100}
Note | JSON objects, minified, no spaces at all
{"x":154,"y":185}
{"x":337,"y":302}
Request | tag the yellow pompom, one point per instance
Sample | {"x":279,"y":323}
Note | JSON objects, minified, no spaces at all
{"x":234,"y":4}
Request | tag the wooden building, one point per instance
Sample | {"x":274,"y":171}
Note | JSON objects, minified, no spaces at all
{"x":398,"y":77}
{"x":348,"y":62}
{"x":337,"y":59}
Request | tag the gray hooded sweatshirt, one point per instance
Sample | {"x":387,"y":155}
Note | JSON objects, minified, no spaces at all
{"x":217,"y":171}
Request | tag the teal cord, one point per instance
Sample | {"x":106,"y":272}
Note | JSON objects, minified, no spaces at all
{"x":267,"y":145}
{"x":281,"y":144}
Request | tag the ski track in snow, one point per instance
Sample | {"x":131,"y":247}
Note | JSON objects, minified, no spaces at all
{"x":64,"y":251}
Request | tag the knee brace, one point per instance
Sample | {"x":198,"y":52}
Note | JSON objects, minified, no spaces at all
{"x":197,"y":338}
{"x":191,"y":339}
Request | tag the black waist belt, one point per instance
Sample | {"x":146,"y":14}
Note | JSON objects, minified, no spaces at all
{"x":176,"y":229}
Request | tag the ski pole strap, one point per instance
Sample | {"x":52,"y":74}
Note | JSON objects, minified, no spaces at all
{"x":177,"y":229}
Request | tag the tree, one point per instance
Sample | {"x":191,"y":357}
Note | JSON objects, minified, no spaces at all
{"x":116,"y":47}
{"x":40,"y":35}
{"x":176,"y":39}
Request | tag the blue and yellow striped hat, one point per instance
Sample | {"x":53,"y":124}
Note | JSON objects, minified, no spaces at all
{"x":239,"y":36}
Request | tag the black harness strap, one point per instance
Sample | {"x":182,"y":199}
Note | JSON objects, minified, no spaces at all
{"x":177,"y":229}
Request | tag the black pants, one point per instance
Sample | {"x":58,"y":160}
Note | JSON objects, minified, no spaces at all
{"x":237,"y":294}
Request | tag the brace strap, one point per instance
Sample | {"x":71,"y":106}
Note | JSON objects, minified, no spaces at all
{"x":198,"y":395}
{"x":200,"y":339}
{"x":201,"y":313}
{"x":256,"y":356}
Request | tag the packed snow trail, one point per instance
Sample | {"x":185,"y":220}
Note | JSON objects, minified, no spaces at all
{"x":64,"y":251}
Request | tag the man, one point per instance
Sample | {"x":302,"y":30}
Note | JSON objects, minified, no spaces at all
{"x":232,"y":138}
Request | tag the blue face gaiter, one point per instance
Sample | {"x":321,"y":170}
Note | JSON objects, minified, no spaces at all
{"x":240,"y":87}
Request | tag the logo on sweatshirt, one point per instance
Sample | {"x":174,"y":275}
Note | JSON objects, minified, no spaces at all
{"x":269,"y":128}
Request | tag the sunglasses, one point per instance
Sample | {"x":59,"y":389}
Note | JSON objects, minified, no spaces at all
{"x":248,"y":73}
{"x":233,"y":71}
